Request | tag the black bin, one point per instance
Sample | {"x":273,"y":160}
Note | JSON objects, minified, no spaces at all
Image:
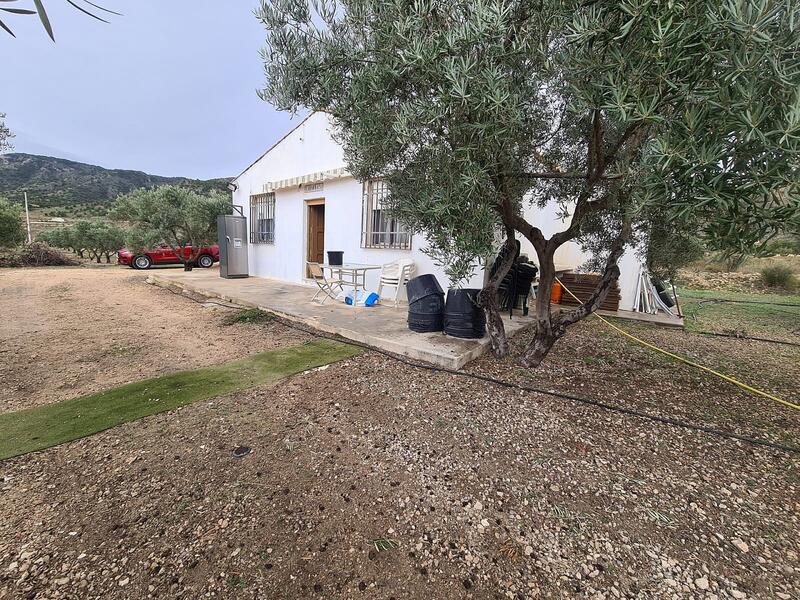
{"x":463,"y":318}
{"x":425,"y":304}
{"x":335,"y":257}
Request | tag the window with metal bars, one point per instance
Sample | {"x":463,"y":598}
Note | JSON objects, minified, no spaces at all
{"x":262,"y":218}
{"x":378,"y":228}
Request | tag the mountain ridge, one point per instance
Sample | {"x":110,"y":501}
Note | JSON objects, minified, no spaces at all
{"x":53,"y":182}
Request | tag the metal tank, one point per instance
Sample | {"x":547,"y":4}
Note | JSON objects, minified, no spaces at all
{"x":232,"y":232}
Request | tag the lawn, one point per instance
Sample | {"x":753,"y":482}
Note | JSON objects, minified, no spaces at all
{"x":45,"y":426}
{"x":759,"y":315}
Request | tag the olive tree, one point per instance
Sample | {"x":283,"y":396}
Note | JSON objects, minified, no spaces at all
{"x":625,"y":113}
{"x":98,"y":238}
{"x":73,"y":237}
{"x":12,"y":232}
{"x":181,"y":218}
{"x":38,"y":8}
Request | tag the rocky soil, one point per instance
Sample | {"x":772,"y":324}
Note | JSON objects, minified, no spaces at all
{"x":375,"y":479}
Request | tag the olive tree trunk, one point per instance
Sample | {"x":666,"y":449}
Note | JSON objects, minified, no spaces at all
{"x":551,"y":327}
{"x":487,"y":299}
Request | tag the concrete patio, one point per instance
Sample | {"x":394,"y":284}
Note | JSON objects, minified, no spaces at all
{"x":381,"y":326}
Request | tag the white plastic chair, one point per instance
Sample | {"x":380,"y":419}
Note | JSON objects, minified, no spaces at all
{"x":395,"y":274}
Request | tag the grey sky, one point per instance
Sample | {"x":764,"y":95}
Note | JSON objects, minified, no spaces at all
{"x":168,"y":88}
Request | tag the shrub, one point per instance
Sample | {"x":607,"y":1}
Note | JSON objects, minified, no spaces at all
{"x":35,"y":255}
{"x":250,"y":316}
{"x":779,"y":276}
{"x":11,"y":229}
{"x":783,"y":246}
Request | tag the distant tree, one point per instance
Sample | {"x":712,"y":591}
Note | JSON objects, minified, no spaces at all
{"x":5,"y":135}
{"x":623,"y":113}
{"x":71,"y":237}
{"x":104,"y":239}
{"x":12,"y":231}
{"x":175,"y":216}
{"x":79,"y":237}
{"x":55,"y":238}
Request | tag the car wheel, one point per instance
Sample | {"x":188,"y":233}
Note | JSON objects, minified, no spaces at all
{"x":142,"y":262}
{"x":205,"y":261}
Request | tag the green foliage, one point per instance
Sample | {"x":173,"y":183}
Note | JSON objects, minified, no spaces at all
{"x":12,"y":231}
{"x":83,"y":190}
{"x":96,"y":238}
{"x":5,"y":134}
{"x":779,"y":276}
{"x":685,"y":114}
{"x":250,"y":316}
{"x":786,"y":245}
{"x":173,"y":215}
{"x":667,"y":249}
{"x":104,"y":239}
{"x":88,"y":8}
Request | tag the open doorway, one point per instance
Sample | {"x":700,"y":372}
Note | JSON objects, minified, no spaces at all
{"x":316,"y":232}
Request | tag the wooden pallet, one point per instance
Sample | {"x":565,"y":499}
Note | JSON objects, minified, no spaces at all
{"x":582,"y":285}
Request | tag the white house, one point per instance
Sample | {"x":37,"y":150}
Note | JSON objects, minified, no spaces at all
{"x":300,"y":202}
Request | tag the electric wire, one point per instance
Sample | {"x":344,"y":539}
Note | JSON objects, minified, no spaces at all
{"x":531,"y":389}
{"x":745,"y":337}
{"x":682,"y":359}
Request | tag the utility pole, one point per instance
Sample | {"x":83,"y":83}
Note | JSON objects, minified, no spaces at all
{"x":28,"y":218}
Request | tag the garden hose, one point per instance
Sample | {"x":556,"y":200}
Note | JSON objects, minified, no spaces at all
{"x":742,"y":385}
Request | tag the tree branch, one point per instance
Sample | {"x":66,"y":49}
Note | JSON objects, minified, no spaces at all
{"x":610,"y":275}
{"x":562,"y":175}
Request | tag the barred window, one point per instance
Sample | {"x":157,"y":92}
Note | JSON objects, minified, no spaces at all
{"x":262,"y":218}
{"x":378,"y":228}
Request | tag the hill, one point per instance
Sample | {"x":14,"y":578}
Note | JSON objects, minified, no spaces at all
{"x":77,"y":188}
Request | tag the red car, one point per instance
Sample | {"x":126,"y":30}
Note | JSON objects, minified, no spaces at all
{"x":164,"y":255}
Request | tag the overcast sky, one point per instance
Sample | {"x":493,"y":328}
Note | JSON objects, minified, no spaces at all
{"x":168,"y":88}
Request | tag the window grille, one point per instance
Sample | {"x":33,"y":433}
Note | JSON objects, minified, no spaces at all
{"x":378,"y":228}
{"x":262,"y":219}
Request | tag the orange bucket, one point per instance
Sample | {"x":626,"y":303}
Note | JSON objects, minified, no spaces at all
{"x":556,"y":293}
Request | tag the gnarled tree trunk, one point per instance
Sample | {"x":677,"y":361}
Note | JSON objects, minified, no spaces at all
{"x":549,"y":327}
{"x":487,"y":298}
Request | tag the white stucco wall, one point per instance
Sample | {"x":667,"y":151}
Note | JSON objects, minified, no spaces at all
{"x":571,"y":254}
{"x":309,"y":149}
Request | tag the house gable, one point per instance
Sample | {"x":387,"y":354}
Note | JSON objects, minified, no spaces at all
{"x":308,"y":148}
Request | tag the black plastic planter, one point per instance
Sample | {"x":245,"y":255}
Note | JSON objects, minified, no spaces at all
{"x":463,"y":318}
{"x":335,"y":257}
{"x":425,"y":304}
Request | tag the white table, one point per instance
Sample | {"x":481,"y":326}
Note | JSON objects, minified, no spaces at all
{"x":351,"y":275}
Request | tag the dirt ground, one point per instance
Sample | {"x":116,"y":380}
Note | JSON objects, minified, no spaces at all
{"x":68,"y":331}
{"x":374,"y":479}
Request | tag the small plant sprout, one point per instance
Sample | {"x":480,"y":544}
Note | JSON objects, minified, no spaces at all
{"x":383,"y":544}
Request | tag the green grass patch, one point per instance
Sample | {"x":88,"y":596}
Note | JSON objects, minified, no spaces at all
{"x":45,"y":426}
{"x":763,"y":318}
{"x":249,"y":316}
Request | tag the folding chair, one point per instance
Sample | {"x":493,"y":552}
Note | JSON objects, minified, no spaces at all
{"x":329,"y":288}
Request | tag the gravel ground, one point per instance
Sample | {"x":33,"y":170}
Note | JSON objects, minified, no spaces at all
{"x":373,"y":479}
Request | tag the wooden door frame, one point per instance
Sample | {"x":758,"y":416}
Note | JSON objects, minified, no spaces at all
{"x":308,"y":204}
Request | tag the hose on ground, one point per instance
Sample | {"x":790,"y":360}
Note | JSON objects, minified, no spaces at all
{"x":531,"y":389}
